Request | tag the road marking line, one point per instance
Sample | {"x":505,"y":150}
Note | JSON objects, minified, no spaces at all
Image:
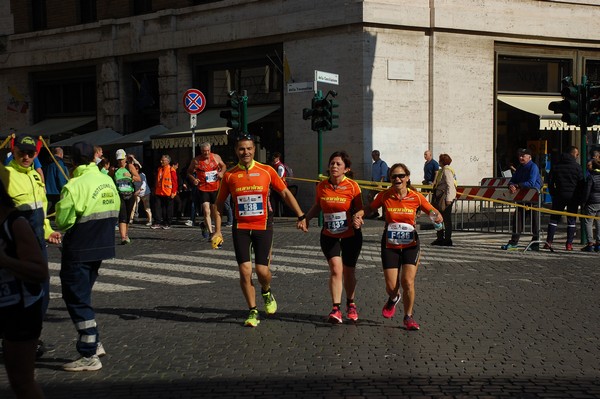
{"x":152,"y":278}
{"x":98,"y":287}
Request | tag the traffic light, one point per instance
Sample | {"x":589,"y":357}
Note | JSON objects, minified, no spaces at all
{"x":592,"y":104}
{"x":321,"y":112}
{"x":571,"y":107}
{"x":332,"y":116}
{"x":233,"y":116}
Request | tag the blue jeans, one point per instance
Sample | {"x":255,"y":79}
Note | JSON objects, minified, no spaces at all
{"x":77,"y":280}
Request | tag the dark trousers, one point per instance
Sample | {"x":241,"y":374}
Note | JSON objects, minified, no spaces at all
{"x":163,"y":210}
{"x":520,"y":218}
{"x":559,"y":204}
{"x":446,"y":232}
{"x":77,"y":280}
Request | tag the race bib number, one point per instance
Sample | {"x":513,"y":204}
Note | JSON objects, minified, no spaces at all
{"x":212,"y":176}
{"x":10,"y":292}
{"x":250,"y":205}
{"x":400,"y":234}
{"x":336,"y":223}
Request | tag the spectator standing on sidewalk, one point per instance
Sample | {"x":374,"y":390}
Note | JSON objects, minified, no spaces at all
{"x":279,"y":167}
{"x":565,"y":184}
{"x":379,"y":173}
{"x":339,"y":197}
{"x":527,"y":176}
{"x":249,"y":183}
{"x":56,"y":177}
{"x":443,"y":196}
{"x":87,"y":213}
{"x":400,"y":245}
{"x":591,"y":200}
{"x":430,"y":168}
{"x":125,"y":175}
{"x":23,"y":272}
{"x":206,"y":172}
{"x":165,"y":191}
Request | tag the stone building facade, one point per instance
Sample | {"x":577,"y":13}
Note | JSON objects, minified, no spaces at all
{"x":413,"y":74}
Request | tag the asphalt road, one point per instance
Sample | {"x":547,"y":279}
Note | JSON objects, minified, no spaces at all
{"x":493,"y":324}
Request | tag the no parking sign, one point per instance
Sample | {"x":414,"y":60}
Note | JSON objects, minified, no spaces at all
{"x":194,"y":101}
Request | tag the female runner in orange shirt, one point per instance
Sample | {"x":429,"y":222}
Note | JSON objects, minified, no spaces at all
{"x":400,"y":248}
{"x":338,"y":197}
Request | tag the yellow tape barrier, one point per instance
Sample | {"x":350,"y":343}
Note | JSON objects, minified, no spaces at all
{"x":380,"y":186}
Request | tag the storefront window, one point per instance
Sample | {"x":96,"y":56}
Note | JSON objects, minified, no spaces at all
{"x":533,"y":75}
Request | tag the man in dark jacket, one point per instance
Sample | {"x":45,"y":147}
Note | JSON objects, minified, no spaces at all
{"x":565,"y":183}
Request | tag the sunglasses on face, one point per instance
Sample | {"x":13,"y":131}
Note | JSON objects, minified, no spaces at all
{"x":398,"y":176}
{"x":30,"y":154}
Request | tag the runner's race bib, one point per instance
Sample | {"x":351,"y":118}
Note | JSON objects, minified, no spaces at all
{"x":212,"y":176}
{"x":10,"y":291}
{"x":336,"y":223}
{"x":400,"y":234}
{"x":250,"y":205}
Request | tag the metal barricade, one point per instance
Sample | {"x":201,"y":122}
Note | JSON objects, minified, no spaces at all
{"x":476,"y":210}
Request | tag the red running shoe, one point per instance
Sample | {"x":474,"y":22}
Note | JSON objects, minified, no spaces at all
{"x":335,"y":317}
{"x":390,"y":307}
{"x":410,"y":323}
{"x":351,"y":312}
{"x":569,"y":246}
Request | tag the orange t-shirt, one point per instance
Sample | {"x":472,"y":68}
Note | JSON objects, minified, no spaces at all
{"x":337,"y":204}
{"x":249,"y":189}
{"x":400,"y":216}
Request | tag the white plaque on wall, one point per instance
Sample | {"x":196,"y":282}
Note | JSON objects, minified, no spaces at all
{"x":401,"y":70}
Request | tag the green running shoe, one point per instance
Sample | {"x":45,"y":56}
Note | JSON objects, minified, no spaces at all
{"x":270,"y":303}
{"x":252,"y":320}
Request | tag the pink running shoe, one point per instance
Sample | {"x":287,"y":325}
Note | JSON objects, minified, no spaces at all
{"x":410,"y":323}
{"x":390,"y":307}
{"x":351,"y":312}
{"x":335,"y":317}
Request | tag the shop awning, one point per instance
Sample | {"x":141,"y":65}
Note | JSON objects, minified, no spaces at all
{"x":98,"y":137}
{"x":538,"y":105}
{"x":51,"y":127}
{"x":210,"y":127}
{"x":139,"y":137}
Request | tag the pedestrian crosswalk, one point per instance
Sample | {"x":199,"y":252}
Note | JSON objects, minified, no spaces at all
{"x":205,"y":266}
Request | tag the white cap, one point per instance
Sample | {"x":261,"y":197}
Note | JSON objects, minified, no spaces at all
{"x":121,"y":154}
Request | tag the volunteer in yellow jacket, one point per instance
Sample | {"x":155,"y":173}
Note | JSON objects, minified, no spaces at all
{"x":87,"y":213}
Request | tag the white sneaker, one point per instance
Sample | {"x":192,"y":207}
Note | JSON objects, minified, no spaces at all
{"x":189,"y":223}
{"x":100,"y":350}
{"x":91,"y":363}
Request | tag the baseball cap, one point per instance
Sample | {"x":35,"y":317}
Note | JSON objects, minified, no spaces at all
{"x":25,"y":143}
{"x":524,"y":151}
{"x":121,"y":154}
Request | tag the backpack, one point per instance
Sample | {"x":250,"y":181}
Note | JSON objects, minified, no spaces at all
{"x":288,"y":171}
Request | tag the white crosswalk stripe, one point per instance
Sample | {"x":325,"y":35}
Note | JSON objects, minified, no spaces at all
{"x":202,"y":266}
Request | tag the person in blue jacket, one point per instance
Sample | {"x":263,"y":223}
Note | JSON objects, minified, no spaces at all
{"x":527,"y":175}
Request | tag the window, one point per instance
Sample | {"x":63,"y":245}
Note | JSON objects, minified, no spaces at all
{"x":57,"y":96}
{"x":533,"y":75}
{"x":87,"y":11}
{"x":38,"y":15}
{"x":592,"y":70}
{"x":142,"y":7}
